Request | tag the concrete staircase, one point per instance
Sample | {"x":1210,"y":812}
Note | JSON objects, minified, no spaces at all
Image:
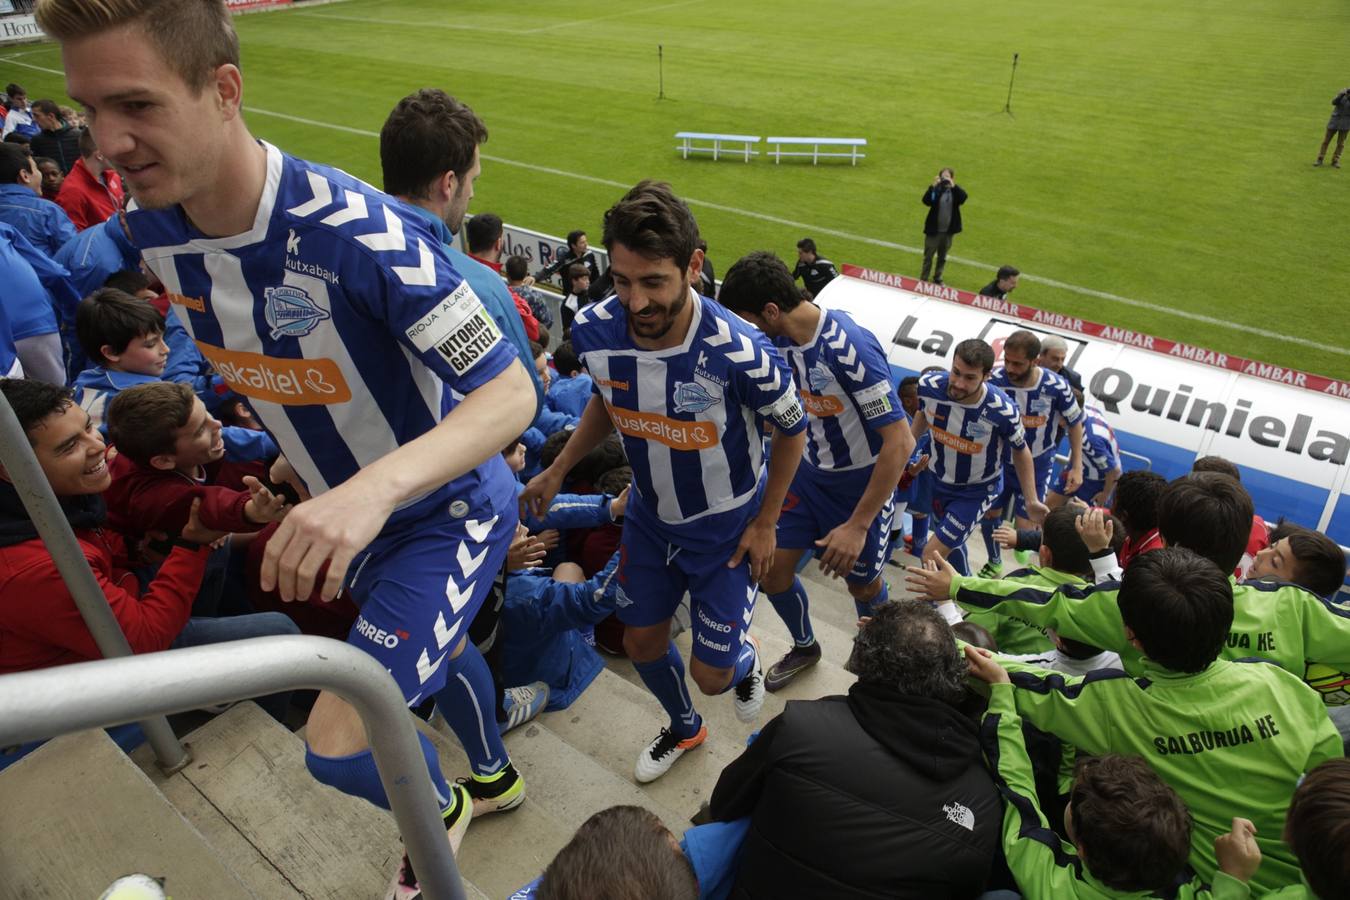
{"x":245,"y":818}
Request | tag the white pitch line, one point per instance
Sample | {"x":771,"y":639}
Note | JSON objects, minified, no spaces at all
{"x":405,"y":22}
{"x":833,"y":232}
{"x":618,"y":15}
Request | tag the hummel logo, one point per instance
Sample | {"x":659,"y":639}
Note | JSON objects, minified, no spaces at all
{"x":292,"y":242}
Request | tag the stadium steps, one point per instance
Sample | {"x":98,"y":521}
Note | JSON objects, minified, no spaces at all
{"x":284,"y":835}
{"x":77,"y":815}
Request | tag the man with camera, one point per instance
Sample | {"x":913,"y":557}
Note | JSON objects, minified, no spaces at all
{"x":944,"y":198}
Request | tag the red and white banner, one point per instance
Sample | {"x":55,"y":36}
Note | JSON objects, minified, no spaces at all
{"x":1212,"y":358}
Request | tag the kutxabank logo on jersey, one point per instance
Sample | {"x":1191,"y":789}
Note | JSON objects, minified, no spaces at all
{"x":291,"y":312}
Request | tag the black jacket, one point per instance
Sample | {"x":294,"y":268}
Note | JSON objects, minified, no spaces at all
{"x":62,"y":145}
{"x":930,"y":199}
{"x":872,"y":795}
{"x":815,"y":275}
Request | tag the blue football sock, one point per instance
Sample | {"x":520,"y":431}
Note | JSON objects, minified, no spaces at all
{"x":745,"y":664}
{"x":919,"y":532}
{"x":664,"y":677}
{"x":356,"y":774}
{"x":867,"y":607}
{"x":959,"y":561}
{"x":987,"y":527}
{"x":468,"y":703}
{"x":791,"y":606}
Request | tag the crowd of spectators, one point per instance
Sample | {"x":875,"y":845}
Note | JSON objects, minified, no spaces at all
{"x":1127,"y":713}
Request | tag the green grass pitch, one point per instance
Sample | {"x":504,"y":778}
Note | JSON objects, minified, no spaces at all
{"x":1158,"y":151}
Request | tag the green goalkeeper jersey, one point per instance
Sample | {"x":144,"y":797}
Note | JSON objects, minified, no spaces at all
{"x":1278,"y":622}
{"x":1233,"y":740}
{"x":1044,"y":866}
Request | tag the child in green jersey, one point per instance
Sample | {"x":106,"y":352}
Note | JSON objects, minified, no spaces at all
{"x":1229,"y":737}
{"x":1207,"y":513}
{"x":1130,"y":833}
{"x":1318,"y":829}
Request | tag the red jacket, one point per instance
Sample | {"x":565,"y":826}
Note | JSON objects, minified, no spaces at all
{"x":87,"y":200}
{"x":522,"y":306}
{"x":142,"y":499}
{"x":40,"y":625}
{"x":1131,"y":548}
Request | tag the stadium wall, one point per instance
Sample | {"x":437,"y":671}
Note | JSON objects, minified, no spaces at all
{"x":1169,"y":402}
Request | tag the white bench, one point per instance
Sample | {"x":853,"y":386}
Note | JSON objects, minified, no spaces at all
{"x":687,"y":144}
{"x":815,"y":143}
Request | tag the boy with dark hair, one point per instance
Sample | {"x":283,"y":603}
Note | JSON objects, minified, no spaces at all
{"x":1259,"y":535}
{"x":52,"y":176}
{"x":1128,"y":830}
{"x":1136,"y":505}
{"x":1210,"y":515}
{"x":1301,"y":556}
{"x":579,"y":294}
{"x":841,"y":501}
{"x":578,"y":251}
{"x":572,"y":389}
{"x":44,"y":223}
{"x":1232,"y":738}
{"x":168,"y":455}
{"x":516,"y":270}
{"x":1317,"y":829}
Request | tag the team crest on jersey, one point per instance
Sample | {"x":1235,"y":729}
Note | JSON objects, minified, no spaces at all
{"x":291,"y":313}
{"x":694,"y":397}
{"x":819,"y":377}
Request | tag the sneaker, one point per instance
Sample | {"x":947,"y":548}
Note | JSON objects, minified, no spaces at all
{"x":496,"y":793}
{"x":661,"y":753}
{"x":750,"y":690}
{"x":1335,"y":163}
{"x":795,"y":661}
{"x":523,"y":704}
{"x":1318,"y":163}
{"x":991,"y":569}
{"x":457,"y":818}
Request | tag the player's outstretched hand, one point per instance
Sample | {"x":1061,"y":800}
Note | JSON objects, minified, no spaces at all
{"x":1006,"y":536}
{"x":618,"y":507}
{"x":263,"y":506}
{"x":1101,"y":497}
{"x":840,"y":549}
{"x":981,"y":664}
{"x":1237,"y":851}
{"x":282,"y":473}
{"x":1073,"y":480}
{"x":932,"y":581}
{"x":1095,"y":529}
{"x":1037,"y":511}
{"x":539,"y":493}
{"x":918,"y":465}
{"x":331,"y":527}
{"x":759,"y":541}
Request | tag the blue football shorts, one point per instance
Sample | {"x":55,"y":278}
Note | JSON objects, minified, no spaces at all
{"x":419,"y":587}
{"x":654,"y":573}
{"x":959,"y":508}
{"x":1012,"y":487}
{"x":818,"y":501}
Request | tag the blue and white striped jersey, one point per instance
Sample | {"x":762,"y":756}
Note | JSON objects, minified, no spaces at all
{"x":340,"y":318}
{"x":690,"y":415}
{"x":846,"y":389}
{"x":969,"y":440}
{"x":1041,"y":405}
{"x":1101,"y":453}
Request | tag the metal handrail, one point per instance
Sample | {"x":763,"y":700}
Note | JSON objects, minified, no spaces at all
{"x":49,"y":702}
{"x":36,"y":493}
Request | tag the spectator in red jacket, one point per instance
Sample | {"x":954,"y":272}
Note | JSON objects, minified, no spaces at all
{"x":40,"y":625}
{"x":92,"y":191}
{"x":1136,"y":504}
{"x":167,"y":453}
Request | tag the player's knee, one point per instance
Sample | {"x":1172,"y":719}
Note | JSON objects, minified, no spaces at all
{"x":569,"y":572}
{"x":644,"y":645}
{"x":865,"y":592}
{"x":776,"y":582}
{"x":334,"y":728}
{"x":710,"y":681}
